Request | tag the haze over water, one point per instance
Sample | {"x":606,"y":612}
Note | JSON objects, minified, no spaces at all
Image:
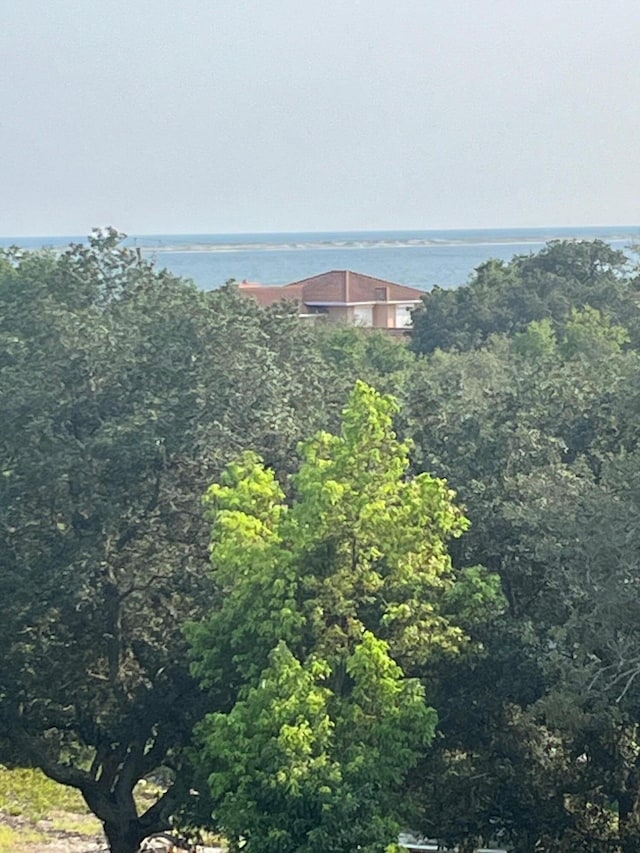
{"x":421,"y":259}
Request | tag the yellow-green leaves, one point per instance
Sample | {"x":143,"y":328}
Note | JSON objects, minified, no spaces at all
{"x":246,"y":511}
{"x":328,"y":601}
{"x":387,"y":532}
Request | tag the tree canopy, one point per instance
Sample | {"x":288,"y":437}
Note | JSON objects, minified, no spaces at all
{"x":341,"y":675}
{"x":504,"y":297}
{"x":124,"y":391}
{"x":530,"y":429}
{"x":330,"y":604}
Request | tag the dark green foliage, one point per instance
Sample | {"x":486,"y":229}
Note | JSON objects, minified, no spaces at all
{"x":518,"y":421}
{"x":371,"y":355}
{"x":538,"y":435}
{"x":506,"y":297}
{"x":123,"y":392}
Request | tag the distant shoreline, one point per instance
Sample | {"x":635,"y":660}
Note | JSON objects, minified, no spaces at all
{"x":304,"y":239}
{"x":418,"y":258}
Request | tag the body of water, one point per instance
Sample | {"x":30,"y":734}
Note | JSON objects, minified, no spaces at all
{"x":418,"y":258}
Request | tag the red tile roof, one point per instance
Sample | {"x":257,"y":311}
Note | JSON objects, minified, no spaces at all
{"x":336,"y":286}
{"x":345,"y":286}
{"x":269,"y":294}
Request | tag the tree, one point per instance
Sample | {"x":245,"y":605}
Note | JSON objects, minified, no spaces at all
{"x":503,"y":298}
{"x":538,"y":433}
{"x":330,"y":604}
{"x":592,"y":659}
{"x":519,"y":409}
{"x":371,"y":355}
{"x":124,"y":392}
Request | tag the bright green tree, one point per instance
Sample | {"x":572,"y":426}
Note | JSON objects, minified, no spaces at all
{"x":330,"y":604}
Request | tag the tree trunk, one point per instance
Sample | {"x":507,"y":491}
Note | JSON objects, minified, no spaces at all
{"x":123,"y":827}
{"x":123,"y":836}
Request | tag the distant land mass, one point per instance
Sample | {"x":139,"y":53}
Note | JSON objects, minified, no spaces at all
{"x":421,"y":259}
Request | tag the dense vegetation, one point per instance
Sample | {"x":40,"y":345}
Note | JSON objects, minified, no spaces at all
{"x":331,"y":606}
{"x":124,"y":393}
{"x":326,"y":650}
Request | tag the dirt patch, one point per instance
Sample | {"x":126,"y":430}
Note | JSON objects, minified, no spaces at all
{"x":47,"y":836}
{"x":44,"y":836}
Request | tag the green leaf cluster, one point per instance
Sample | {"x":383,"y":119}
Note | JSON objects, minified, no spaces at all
{"x":329,"y":605}
{"x":532,"y":416}
{"x":123,"y":392}
{"x":505,"y":297}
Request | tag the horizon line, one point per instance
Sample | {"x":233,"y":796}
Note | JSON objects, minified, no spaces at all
{"x":136,"y":234}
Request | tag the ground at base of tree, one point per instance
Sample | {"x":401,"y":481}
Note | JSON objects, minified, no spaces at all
{"x":68,"y":833}
{"x":39,"y":816}
{"x":62,"y":833}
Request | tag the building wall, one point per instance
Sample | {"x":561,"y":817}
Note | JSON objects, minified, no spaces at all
{"x":363,"y":315}
{"x":382,"y":316}
{"x":340,"y":313}
{"x":403,"y":314}
{"x":379,"y":315}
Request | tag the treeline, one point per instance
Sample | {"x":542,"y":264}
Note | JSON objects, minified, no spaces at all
{"x":333,"y":645}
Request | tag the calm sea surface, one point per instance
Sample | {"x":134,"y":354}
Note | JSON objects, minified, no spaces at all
{"x":418,"y":258}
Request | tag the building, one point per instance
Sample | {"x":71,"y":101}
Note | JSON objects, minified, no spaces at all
{"x":414,"y":844}
{"x":346,"y":297}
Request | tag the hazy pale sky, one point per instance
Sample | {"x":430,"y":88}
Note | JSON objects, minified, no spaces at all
{"x":298,"y":115}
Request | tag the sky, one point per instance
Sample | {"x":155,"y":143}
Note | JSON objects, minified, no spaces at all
{"x":216,"y":116}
